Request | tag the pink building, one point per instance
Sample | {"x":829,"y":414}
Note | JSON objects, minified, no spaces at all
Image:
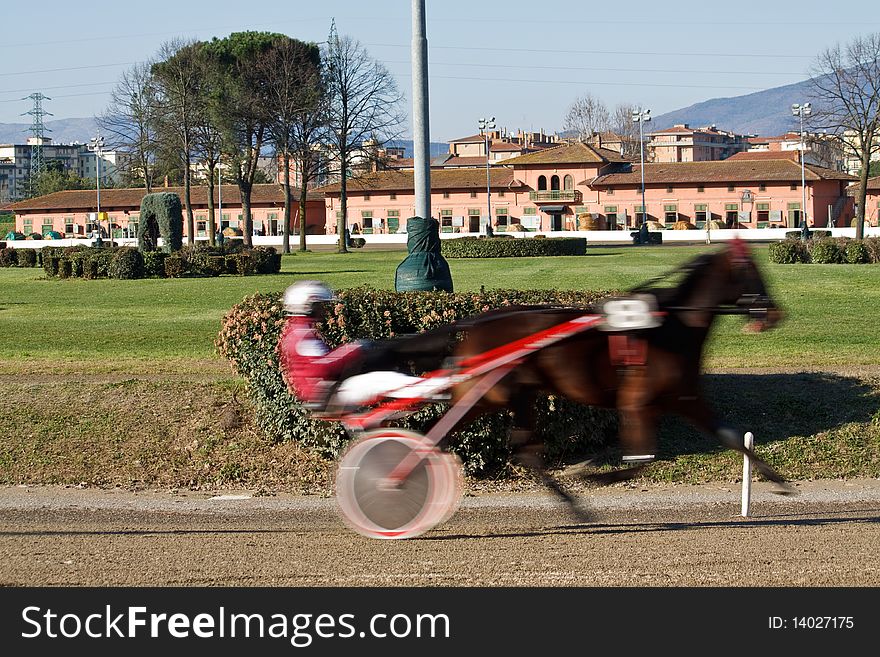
{"x":872,"y":202}
{"x":538,"y":191}
{"x":681,"y":143}
{"x":737,"y":193}
{"x":573,"y":186}
{"x":72,"y":212}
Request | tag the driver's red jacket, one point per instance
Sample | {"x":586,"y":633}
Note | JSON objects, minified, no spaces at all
{"x":308,"y":364}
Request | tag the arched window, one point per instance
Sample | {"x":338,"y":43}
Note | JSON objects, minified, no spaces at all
{"x":542,"y":182}
{"x":568,"y":183}
{"x":554,"y":182}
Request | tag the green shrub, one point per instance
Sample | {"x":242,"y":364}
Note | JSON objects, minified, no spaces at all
{"x":788,"y":252}
{"x":826,"y":252}
{"x":857,"y":253}
{"x":51,"y":255}
{"x":873,"y":246}
{"x":26,"y":258}
{"x":496,"y":247}
{"x":267,"y":260}
{"x":154,"y":263}
{"x":65,"y":267}
{"x":811,"y":234}
{"x":127,"y":263}
{"x":245,"y":263}
{"x":175,"y":266}
{"x":250,"y":333}
{"x":8,"y":257}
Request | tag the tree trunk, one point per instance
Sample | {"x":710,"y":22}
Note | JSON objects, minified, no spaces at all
{"x":341,"y":222}
{"x":862,"y":197}
{"x":305,"y":168}
{"x":244,"y":189}
{"x":190,"y":223}
{"x":285,"y":243}
{"x":212,"y":219}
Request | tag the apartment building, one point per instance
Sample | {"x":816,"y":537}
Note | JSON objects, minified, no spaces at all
{"x":681,"y":143}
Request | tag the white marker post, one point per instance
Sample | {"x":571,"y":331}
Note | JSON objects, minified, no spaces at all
{"x":749,"y":441}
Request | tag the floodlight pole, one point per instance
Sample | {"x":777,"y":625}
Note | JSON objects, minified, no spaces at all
{"x":96,"y":145}
{"x":642,"y":116}
{"x":421,"y":130}
{"x":485,"y":126}
{"x":801,"y":111}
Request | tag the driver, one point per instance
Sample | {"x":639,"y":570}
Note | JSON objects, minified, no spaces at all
{"x":312,"y":370}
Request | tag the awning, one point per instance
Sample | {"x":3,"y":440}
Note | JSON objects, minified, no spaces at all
{"x":552,"y":209}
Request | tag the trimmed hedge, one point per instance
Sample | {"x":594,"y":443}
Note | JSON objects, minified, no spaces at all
{"x":8,"y":258}
{"x":826,"y":250}
{"x":250,"y":333}
{"x":26,"y":258}
{"x":496,"y":247}
{"x":154,"y":264}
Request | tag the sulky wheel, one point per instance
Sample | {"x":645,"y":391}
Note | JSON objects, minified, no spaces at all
{"x":377,"y":507}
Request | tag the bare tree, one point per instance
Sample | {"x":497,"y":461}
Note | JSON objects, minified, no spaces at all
{"x":363,"y":104}
{"x":207,"y":139}
{"x":293,"y":75}
{"x":587,"y":115}
{"x":178,"y":74}
{"x":627,"y":129}
{"x":130,"y":122}
{"x":846,"y":86}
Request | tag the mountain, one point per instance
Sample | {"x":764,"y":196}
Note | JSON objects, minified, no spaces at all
{"x":766,"y":113}
{"x":63,"y":131}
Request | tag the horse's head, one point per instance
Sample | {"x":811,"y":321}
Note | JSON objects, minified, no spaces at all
{"x":747,"y":289}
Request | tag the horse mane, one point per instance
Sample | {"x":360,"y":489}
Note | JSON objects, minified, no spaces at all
{"x":688,"y":274}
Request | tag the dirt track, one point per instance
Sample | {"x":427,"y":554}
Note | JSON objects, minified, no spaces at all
{"x":657,"y":536}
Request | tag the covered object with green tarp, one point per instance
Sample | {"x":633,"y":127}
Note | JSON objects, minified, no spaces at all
{"x":424,"y":268}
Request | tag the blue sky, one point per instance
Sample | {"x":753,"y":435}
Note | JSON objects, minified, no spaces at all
{"x":522,"y":62}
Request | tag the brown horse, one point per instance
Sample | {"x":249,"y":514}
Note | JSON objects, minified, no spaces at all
{"x":641,"y":372}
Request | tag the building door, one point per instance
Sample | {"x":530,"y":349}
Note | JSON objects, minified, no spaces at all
{"x":474,"y":224}
{"x":555,"y":221}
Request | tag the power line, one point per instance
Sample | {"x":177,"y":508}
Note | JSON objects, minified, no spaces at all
{"x":584,"y":83}
{"x":61,"y":86}
{"x":72,"y":68}
{"x":598,"y":52}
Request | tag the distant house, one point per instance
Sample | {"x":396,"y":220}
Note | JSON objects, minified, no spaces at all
{"x":73,"y":212}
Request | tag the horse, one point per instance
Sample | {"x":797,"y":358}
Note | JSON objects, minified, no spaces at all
{"x":643,"y":371}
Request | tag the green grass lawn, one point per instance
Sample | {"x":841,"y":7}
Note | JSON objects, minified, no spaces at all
{"x":168,"y":326}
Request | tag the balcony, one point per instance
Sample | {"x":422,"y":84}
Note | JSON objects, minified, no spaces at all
{"x":557,"y":195}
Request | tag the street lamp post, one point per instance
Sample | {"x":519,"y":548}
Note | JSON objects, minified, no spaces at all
{"x":802,"y":111}
{"x":96,"y":145}
{"x":485,"y":126}
{"x":642,"y":116}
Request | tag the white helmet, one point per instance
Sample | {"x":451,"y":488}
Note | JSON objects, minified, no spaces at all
{"x":299,"y":298}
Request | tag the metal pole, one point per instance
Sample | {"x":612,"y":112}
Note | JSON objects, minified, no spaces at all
{"x":488,"y":189}
{"x":421,"y":131}
{"x":219,"y":225}
{"x":749,"y":442}
{"x":803,"y":175}
{"x":642,"y":152}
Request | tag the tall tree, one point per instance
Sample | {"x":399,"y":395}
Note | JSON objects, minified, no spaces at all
{"x":130,"y":122}
{"x":239,"y":107}
{"x":846,"y":86}
{"x":207,"y":139}
{"x":294,"y":92}
{"x":178,"y":74}
{"x":587,"y":115}
{"x":363,"y":102}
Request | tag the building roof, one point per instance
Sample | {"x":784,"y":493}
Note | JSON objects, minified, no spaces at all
{"x":85,"y":200}
{"x":505,"y":146}
{"x":448,"y":179}
{"x":462,"y":161}
{"x":874,"y":184}
{"x":576,"y":153}
{"x":718,"y":171}
{"x":766,"y":155}
{"x":473,"y":139}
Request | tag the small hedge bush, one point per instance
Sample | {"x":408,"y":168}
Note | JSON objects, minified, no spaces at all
{"x":154,"y":264}
{"x":857,"y":253}
{"x":8,"y":258}
{"x":789,"y":252}
{"x":249,"y":337}
{"x":483,"y":247}
{"x":127,"y":263}
{"x":826,"y":252}
{"x":26,"y":258}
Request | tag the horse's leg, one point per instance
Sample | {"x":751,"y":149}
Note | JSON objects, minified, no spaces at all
{"x":701,"y":415}
{"x":529,"y":451}
{"x":638,"y":426}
